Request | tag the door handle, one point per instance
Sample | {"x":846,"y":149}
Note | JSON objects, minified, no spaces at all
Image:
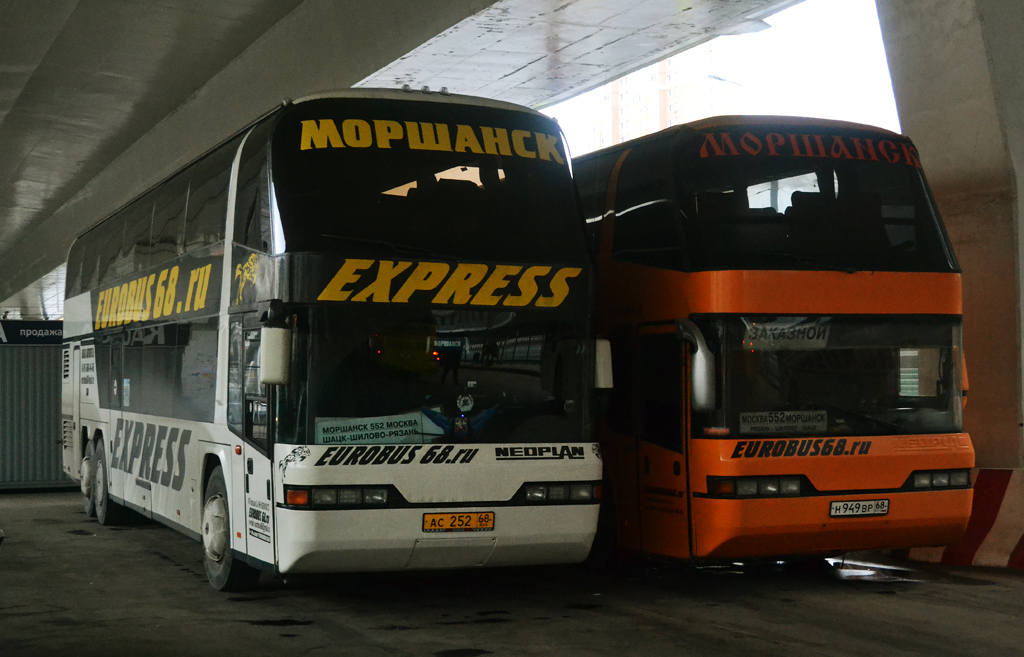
{"x":675,"y":467}
{"x":248,"y":466}
{"x":647,"y":465}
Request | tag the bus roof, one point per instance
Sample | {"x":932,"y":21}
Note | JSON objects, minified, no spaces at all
{"x":419,"y":95}
{"x":732,"y":120}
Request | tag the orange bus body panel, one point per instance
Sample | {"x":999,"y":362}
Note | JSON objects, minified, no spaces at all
{"x":735,"y":528}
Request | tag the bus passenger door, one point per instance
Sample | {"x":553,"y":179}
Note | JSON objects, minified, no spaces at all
{"x":257,"y":452}
{"x":661,"y":425}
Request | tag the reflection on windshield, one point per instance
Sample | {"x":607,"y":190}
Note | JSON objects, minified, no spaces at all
{"x":444,"y":376}
{"x":817,"y":376}
{"x":473,"y":174}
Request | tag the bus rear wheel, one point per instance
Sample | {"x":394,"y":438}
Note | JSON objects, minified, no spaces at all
{"x":224,"y":572}
{"x":108,"y":512}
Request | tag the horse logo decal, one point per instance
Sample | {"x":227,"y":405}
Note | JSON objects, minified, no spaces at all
{"x":247,"y":274}
{"x":297,"y":455}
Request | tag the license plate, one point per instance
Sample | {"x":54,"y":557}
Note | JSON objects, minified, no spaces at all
{"x":859,"y":508}
{"x":482,"y":521}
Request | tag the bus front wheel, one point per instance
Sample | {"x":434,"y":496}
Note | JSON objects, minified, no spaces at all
{"x":222,"y":569}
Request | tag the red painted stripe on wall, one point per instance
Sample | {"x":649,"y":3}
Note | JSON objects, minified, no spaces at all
{"x":989,"y":489}
{"x":1017,"y":556}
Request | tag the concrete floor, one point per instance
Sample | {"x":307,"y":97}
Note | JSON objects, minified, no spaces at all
{"x":71,"y":587}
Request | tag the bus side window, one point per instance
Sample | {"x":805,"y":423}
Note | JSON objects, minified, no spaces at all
{"x":208,"y":197}
{"x":138,"y":223}
{"x":660,"y":390}
{"x":256,"y":408}
{"x":235,"y":376}
{"x":169,"y":219}
{"x":252,"y":202}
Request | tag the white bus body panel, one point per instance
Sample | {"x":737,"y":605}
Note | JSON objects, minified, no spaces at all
{"x":310,"y":540}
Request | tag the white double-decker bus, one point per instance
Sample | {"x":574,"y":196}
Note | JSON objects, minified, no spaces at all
{"x":353,"y":337}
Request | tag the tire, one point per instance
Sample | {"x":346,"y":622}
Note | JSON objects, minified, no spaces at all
{"x":88,"y":474}
{"x":224,"y":571}
{"x":108,"y":512}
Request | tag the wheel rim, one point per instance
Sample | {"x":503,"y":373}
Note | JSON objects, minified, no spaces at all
{"x":99,"y":487}
{"x":215,"y":528}
{"x":87,"y":477}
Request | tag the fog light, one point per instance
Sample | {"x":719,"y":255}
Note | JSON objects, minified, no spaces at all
{"x":536,"y":493}
{"x":375,"y":495}
{"x":581,"y":492}
{"x":325,"y":496}
{"x":558,"y":493}
{"x":768,"y":486}
{"x":746,"y":487}
{"x":296,"y":497}
{"x":922,"y":480}
{"x":350,"y":496}
{"x":959,"y":478}
{"x":790,"y":486}
{"x":940,"y":479}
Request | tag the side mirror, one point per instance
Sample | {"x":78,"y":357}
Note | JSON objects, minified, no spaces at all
{"x":702,"y":367}
{"x":602,"y":364}
{"x":275,"y":355}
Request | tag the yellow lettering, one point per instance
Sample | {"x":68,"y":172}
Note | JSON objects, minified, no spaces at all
{"x":318,"y":137}
{"x":498,"y":280}
{"x":192,"y":277}
{"x":465,"y":139}
{"x":426,"y":276}
{"x":496,"y":141}
{"x":519,"y":143}
{"x":139,"y":299}
{"x":120,"y":317}
{"x":458,"y":289}
{"x":381,"y":288}
{"x":158,"y":304}
{"x":99,"y":310}
{"x":428,"y":140}
{"x":527,"y":286}
{"x":357,"y":133}
{"x":547,"y":147}
{"x":559,"y":287}
{"x":202,"y":287}
{"x":347,"y":274}
{"x":149,"y":297}
{"x":172,"y":288}
{"x":386,"y":132}
{"x":129,"y":315}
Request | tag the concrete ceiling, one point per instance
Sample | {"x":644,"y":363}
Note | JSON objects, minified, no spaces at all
{"x":99,"y":99}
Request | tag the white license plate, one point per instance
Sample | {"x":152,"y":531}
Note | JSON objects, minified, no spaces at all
{"x":859,"y":508}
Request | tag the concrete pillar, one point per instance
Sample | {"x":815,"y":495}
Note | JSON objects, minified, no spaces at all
{"x":955,"y":68}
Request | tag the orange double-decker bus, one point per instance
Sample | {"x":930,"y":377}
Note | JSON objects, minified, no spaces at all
{"x":784,"y":311}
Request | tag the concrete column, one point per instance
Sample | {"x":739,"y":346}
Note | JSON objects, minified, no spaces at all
{"x":955,"y":67}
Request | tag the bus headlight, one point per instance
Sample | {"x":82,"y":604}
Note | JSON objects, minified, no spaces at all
{"x":375,"y":495}
{"x":930,"y":479}
{"x":728,"y":487}
{"x":560,"y":493}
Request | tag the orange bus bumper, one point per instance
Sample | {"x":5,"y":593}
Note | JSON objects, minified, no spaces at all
{"x":780,"y":527}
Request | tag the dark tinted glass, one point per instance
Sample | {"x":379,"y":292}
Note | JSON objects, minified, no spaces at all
{"x":497,"y":187}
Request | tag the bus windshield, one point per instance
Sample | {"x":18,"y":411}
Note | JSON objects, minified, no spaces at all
{"x":814,"y":376}
{"x":424,"y":178}
{"x":382,"y":376}
{"x":757,"y":197}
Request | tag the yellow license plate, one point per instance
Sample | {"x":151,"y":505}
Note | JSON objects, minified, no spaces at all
{"x":459,"y":522}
